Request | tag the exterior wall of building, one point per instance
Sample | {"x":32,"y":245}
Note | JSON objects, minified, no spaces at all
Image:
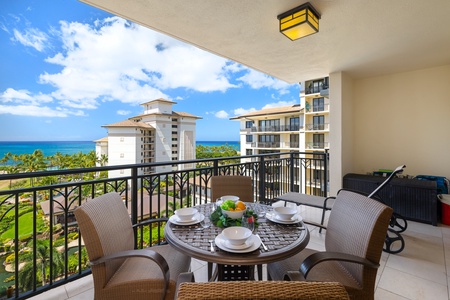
{"x":163,"y":140}
{"x":403,"y":118}
{"x":186,"y":142}
{"x":169,"y":137}
{"x":386,"y":121}
{"x":123,"y":148}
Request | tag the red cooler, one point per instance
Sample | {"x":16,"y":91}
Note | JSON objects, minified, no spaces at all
{"x":445,"y":204}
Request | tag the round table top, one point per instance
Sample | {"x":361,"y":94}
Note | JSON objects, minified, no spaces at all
{"x":282,"y":241}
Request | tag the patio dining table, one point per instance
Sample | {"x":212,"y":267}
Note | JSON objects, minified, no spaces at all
{"x":281,"y":241}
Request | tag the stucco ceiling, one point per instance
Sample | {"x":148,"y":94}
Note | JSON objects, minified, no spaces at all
{"x":361,"y":37}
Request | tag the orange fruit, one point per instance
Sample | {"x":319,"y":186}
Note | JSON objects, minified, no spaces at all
{"x":240,"y":205}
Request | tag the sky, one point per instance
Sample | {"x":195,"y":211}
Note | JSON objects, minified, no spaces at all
{"x":67,"y":69}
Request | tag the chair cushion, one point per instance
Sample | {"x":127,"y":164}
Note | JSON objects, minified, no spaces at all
{"x":142,"y":278}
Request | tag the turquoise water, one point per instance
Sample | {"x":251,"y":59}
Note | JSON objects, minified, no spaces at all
{"x":72,"y":147}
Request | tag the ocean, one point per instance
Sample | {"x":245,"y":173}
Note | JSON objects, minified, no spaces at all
{"x":72,"y":147}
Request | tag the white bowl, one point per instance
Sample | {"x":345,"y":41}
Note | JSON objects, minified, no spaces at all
{"x":229,"y":197}
{"x":186,"y":213}
{"x":233,"y":214}
{"x":236,"y":235}
{"x":285,"y":212}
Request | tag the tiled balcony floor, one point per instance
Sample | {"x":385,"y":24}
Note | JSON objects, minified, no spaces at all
{"x":418,"y":272}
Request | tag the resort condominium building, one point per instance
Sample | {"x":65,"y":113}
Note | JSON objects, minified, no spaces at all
{"x":158,"y":135}
{"x":301,"y":127}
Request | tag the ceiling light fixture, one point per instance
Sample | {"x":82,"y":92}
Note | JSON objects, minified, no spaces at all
{"x":299,"y":22}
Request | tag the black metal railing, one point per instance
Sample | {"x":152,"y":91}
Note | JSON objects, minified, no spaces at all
{"x":39,"y":239}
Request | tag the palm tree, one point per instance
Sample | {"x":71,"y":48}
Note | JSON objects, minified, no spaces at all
{"x":42,"y":264}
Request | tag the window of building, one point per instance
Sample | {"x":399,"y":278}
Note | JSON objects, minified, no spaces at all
{"x":248,"y":152}
{"x":294,"y":123}
{"x":319,"y":141}
{"x":269,"y":138}
{"x":270,"y":125}
{"x":174,"y":126}
{"x":318,"y":104}
{"x":319,"y":122}
{"x":248,"y":124}
{"x":294,"y":140}
{"x":249,"y":138}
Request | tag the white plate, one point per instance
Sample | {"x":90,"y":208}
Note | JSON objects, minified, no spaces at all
{"x":197,"y":219}
{"x":253,"y":239}
{"x":177,"y":218}
{"x":274,"y":218}
{"x":245,"y":245}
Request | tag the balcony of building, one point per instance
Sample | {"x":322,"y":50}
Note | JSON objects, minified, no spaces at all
{"x":50,"y":201}
{"x":317,"y":127}
{"x":317,"y":146}
{"x":280,"y":128}
{"x":314,"y":109}
{"x":275,"y":145}
{"x":420,"y":271}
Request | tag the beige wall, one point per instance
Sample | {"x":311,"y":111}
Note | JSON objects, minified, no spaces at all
{"x":341,"y":129}
{"x":402,"y":118}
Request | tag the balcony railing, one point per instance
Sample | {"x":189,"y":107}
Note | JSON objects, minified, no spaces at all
{"x":39,"y":238}
{"x":318,"y":145}
{"x":278,"y":128}
{"x":318,"y":108}
{"x":316,"y":127}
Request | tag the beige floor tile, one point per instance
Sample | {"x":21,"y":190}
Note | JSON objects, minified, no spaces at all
{"x":424,"y":228}
{"x":79,"y":286}
{"x":58,"y":293}
{"x":86,"y":295}
{"x":411,"y":287}
{"x":419,"y":268}
{"x":381,"y":294}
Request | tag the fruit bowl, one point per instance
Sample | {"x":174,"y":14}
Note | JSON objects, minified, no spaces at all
{"x":233,"y":210}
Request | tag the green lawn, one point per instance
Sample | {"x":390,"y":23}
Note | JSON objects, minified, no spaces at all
{"x":25,"y":226}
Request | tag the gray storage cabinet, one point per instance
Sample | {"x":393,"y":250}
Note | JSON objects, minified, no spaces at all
{"x":414,"y":199}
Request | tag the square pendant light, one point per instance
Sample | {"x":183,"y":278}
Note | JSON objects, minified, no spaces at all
{"x":299,"y":22}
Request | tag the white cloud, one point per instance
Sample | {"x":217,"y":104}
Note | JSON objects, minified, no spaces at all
{"x":257,"y":80}
{"x":123,"y":112}
{"x":221,"y":114}
{"x":100,"y":65}
{"x":115,"y":60}
{"x":36,"y":111}
{"x":31,"y":37}
{"x":23,"y":97}
{"x":242,"y":111}
{"x":280,"y":103}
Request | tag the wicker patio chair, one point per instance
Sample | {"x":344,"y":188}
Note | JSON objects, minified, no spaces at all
{"x":235,"y":185}
{"x":354,"y":241}
{"x":120,"y":271}
{"x":262,"y":290}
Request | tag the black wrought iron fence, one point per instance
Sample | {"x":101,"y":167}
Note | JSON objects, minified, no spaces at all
{"x":40,"y":245}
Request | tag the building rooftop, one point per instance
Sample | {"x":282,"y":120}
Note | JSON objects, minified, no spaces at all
{"x":271,"y":111}
{"x":129,"y":123}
